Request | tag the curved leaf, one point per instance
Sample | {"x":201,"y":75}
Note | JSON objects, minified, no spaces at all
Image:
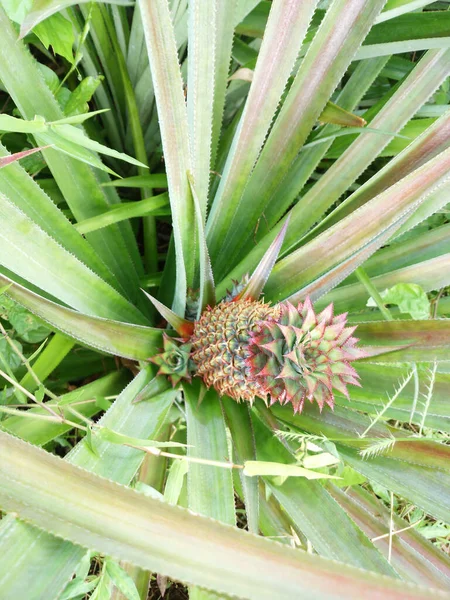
{"x":145,"y":535}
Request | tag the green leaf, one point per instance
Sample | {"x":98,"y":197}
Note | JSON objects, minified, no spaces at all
{"x":274,"y":469}
{"x":31,"y":254}
{"x":377,"y":221}
{"x":27,"y":326}
{"x":152,"y":526}
{"x":316,"y":78}
{"x":42,"y":9}
{"x":287,"y":21}
{"x":58,"y":33}
{"x":118,"y":438}
{"x":408,"y":550}
{"x":122,"y":580}
{"x":115,"y":247}
{"x":81,"y":95}
{"x":210,"y":488}
{"x":409,"y":297}
{"x":40,"y":432}
{"x":244,"y":448}
{"x":115,"y":337}
{"x":172,"y":115}
{"x":155,"y":180}
{"x":8,"y":356}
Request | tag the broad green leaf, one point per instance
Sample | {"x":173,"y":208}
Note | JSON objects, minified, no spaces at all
{"x":271,"y":569}
{"x":434,"y":140}
{"x":118,"y":438}
{"x":27,"y":326}
{"x":202,"y":36}
{"x":428,"y":74}
{"x":424,"y":341}
{"x":32,"y":254}
{"x":420,"y":247}
{"x":122,"y":580}
{"x":8,"y":357}
{"x":115,"y":337}
{"x":210,"y":488}
{"x":57,"y":32}
{"x":167,"y":81}
{"x":408,"y":406}
{"x":332,"y":113}
{"x":411,"y":473}
{"x":207,"y":292}
{"x":409,"y":297}
{"x":224,"y":42}
{"x":155,"y":205}
{"x":415,"y":90}
{"x":48,"y":360}
{"x":288,"y":21}
{"x":155,"y":180}
{"x":81,"y":95}
{"x":42,"y":9}
{"x":27,"y":195}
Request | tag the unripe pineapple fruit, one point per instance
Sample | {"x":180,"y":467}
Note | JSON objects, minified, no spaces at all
{"x":220,"y":345}
{"x":246,"y":348}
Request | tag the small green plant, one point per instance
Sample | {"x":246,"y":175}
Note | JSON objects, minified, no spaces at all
{"x":224,"y":343}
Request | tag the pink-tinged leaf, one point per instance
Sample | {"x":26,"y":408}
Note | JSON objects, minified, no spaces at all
{"x":207,"y":295}
{"x":173,"y":125}
{"x":114,"y":337}
{"x":427,"y":75}
{"x":181,"y":326}
{"x":119,"y":522}
{"x":341,"y":32}
{"x":412,"y":556}
{"x":6,"y":160}
{"x":432,"y":274}
{"x":422,"y":341}
{"x":257,"y":281}
{"x":286,"y":27}
{"x":434,"y":140}
{"x":386,"y":212}
{"x":332,"y":113}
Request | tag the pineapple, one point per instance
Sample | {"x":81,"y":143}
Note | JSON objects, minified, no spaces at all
{"x":246,"y":348}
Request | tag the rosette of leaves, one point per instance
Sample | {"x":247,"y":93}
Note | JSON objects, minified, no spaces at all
{"x":269,"y":171}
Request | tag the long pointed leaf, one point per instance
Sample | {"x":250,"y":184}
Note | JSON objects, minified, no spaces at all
{"x":145,"y":534}
{"x":173,"y":124}
{"x":288,"y":21}
{"x":29,"y":252}
{"x":115,"y":337}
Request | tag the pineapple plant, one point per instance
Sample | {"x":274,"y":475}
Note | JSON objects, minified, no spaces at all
{"x":223,"y":299}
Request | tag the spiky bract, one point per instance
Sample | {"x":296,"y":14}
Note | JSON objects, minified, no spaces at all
{"x":220,"y":345}
{"x":303,"y":356}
